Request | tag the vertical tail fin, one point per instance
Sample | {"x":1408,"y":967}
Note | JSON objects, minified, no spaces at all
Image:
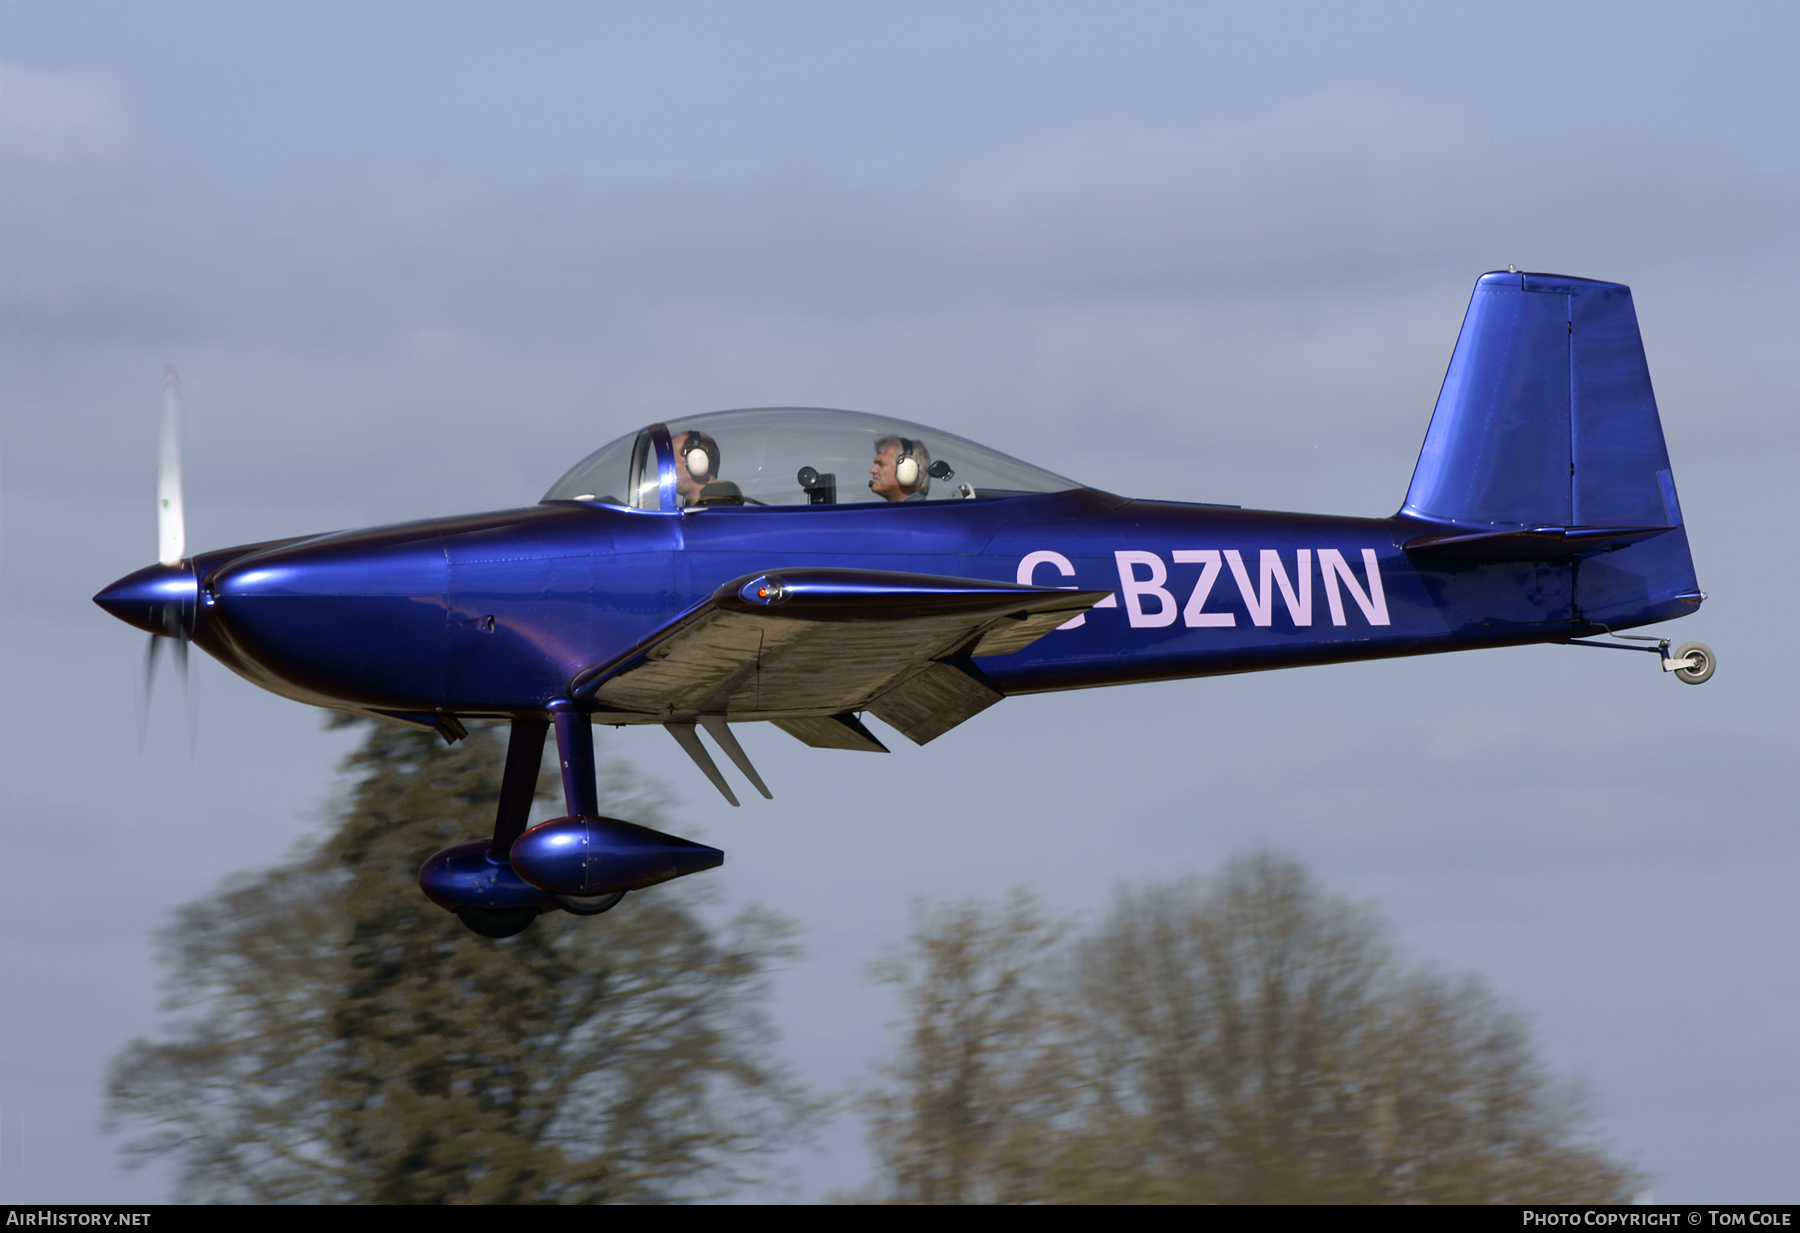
{"x":1547,"y":420}
{"x":1546,"y":415}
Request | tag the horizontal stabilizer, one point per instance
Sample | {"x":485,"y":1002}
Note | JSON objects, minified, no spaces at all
{"x":1525,"y":543}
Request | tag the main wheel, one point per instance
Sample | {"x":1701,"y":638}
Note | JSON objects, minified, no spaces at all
{"x":587,"y":905}
{"x":496,"y":922}
{"x":1705,"y":662}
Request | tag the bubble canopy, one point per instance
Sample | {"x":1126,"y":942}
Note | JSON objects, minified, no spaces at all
{"x":795,"y":456}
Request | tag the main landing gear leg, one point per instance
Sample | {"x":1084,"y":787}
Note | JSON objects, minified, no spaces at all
{"x":575,"y":747}
{"x":582,"y":863}
{"x":524,"y":755}
{"x":575,"y":751}
{"x":518,"y":785}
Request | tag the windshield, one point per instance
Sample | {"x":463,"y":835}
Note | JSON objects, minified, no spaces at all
{"x":795,"y":456}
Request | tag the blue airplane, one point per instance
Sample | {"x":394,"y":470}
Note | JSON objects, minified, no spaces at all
{"x":810,"y":567}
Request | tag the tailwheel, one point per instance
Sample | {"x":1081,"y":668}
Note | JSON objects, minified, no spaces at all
{"x":496,"y":922}
{"x":1700,"y":662}
{"x":587,"y":905}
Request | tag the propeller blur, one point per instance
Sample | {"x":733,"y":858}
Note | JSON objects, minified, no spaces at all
{"x":160,"y":603}
{"x":171,"y":527}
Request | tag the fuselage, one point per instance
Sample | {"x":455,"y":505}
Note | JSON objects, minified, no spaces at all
{"x":1543,"y":507}
{"x":495,"y":614}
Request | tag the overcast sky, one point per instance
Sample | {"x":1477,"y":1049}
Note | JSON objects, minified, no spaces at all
{"x":418,"y":259}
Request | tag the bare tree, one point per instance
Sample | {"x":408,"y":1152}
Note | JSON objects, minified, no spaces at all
{"x":342,"y":1039}
{"x":1254,"y":1040}
{"x":978,"y":1070}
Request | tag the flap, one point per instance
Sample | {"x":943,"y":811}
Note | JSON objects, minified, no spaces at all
{"x":934,"y":700}
{"x":832,"y":732}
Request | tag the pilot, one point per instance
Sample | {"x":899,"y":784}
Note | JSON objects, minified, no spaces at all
{"x":902,"y":469}
{"x":696,"y":465}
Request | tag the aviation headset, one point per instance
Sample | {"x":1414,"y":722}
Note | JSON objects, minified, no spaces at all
{"x":699,"y":456}
{"x":907,"y":471}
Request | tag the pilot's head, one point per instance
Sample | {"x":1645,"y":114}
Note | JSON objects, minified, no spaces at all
{"x":902,"y":468}
{"x":696,"y":465}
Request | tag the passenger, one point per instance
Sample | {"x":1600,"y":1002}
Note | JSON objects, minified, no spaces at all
{"x":902,"y":469}
{"x":696,"y":465}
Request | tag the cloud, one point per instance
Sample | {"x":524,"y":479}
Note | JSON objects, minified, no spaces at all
{"x":62,"y":117}
{"x":1346,"y":190}
{"x":1290,"y":283}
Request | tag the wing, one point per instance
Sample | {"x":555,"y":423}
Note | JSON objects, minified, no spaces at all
{"x":806,"y":647}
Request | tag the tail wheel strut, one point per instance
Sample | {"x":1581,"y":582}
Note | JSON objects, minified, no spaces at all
{"x":1692,"y":663}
